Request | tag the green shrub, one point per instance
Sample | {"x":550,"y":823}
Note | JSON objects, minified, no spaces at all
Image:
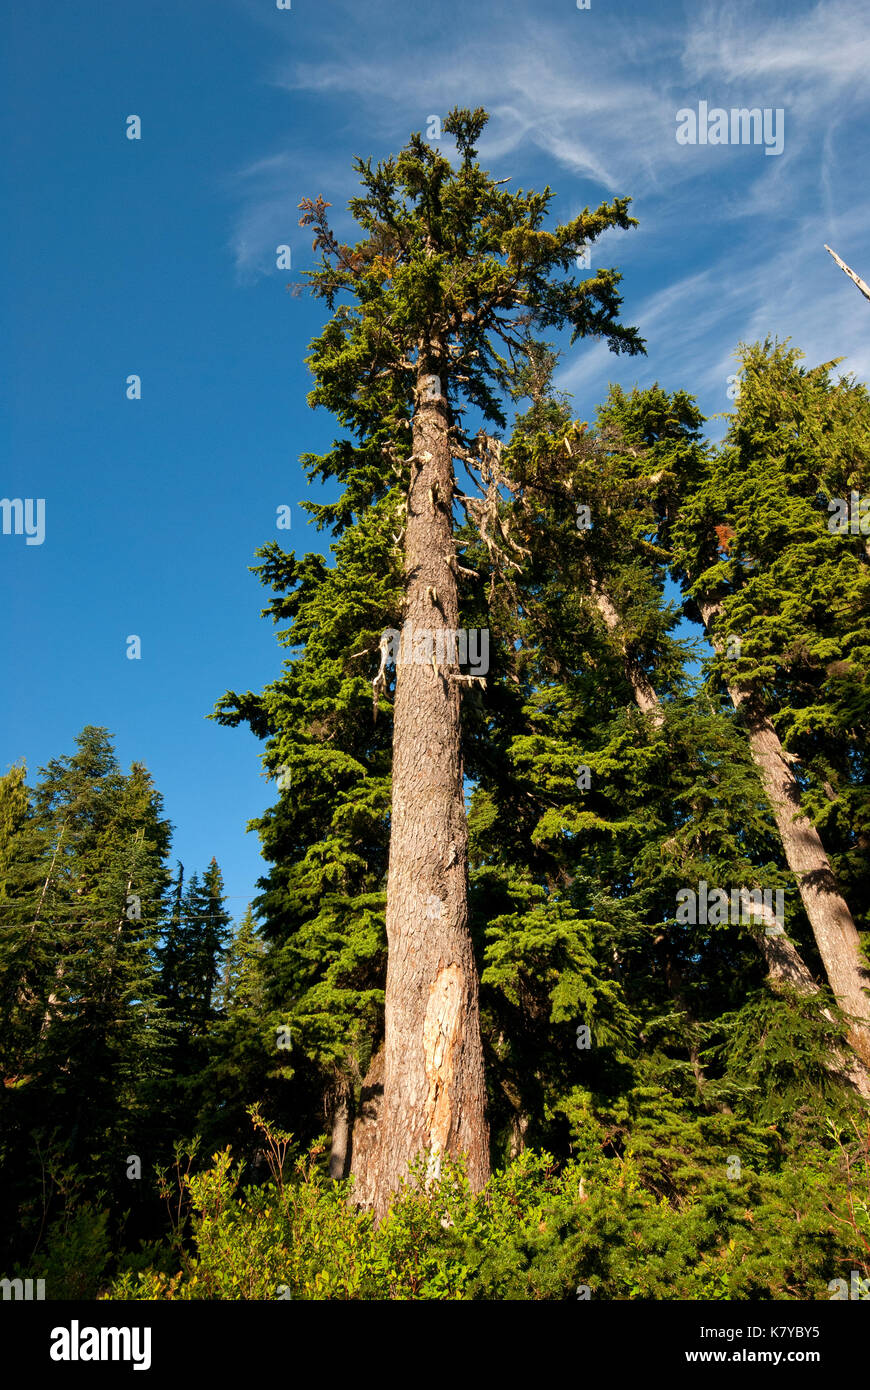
{"x":536,"y":1232}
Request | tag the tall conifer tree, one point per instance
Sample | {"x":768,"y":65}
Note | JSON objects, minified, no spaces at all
{"x":452,"y":275}
{"x":785,"y":596}
{"x":84,"y":1042}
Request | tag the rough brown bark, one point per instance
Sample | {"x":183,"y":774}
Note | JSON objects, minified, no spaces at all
{"x":518,"y":1126}
{"x":434,"y":1091}
{"x":829,"y":916}
{"x":365,"y":1126}
{"x":339,"y":1154}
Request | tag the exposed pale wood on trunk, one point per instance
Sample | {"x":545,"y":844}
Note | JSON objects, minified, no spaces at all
{"x":51,"y":1005}
{"x":785,"y":964}
{"x":865,"y":289}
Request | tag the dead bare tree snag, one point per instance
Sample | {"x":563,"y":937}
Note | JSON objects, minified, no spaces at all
{"x":865,"y":289}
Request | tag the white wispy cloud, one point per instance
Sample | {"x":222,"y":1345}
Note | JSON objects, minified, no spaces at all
{"x":827,"y":45}
{"x":694,"y":325}
{"x":730,"y":244}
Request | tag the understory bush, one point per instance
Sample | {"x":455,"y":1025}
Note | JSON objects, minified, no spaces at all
{"x":782,"y":1230}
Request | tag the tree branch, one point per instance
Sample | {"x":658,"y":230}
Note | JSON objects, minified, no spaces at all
{"x":865,"y":290}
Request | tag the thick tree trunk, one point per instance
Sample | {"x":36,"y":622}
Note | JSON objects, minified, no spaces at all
{"x":785,"y":964}
{"x":434,"y":1093}
{"x":829,"y":916}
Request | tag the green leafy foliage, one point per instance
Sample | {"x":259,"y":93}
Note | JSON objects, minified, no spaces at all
{"x":539,"y":1231}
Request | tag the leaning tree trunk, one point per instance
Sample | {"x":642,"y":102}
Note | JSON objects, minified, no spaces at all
{"x":786,"y":968}
{"x":646,"y":698}
{"x":829,"y":916}
{"x":785,"y":965}
{"x":434,"y":1093}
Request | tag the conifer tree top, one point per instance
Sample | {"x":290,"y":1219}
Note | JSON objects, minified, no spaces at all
{"x":454,"y":276}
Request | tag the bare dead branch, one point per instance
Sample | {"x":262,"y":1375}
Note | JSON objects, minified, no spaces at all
{"x":865,"y":290}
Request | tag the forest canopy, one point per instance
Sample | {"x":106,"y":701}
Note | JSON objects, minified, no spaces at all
{"x":556,"y":983}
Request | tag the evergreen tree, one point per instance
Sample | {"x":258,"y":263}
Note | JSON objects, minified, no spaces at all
{"x":241,"y":983}
{"x":85,"y":1037}
{"x":453,"y":272}
{"x":234,"y":1066}
{"x":204,"y":927}
{"x":661,"y":803}
{"x":327,"y":837}
{"x":191,"y":954}
{"x":14,"y":810}
{"x":785,"y":600}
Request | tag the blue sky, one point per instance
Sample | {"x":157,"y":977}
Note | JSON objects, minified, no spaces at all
{"x":157,"y":257}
